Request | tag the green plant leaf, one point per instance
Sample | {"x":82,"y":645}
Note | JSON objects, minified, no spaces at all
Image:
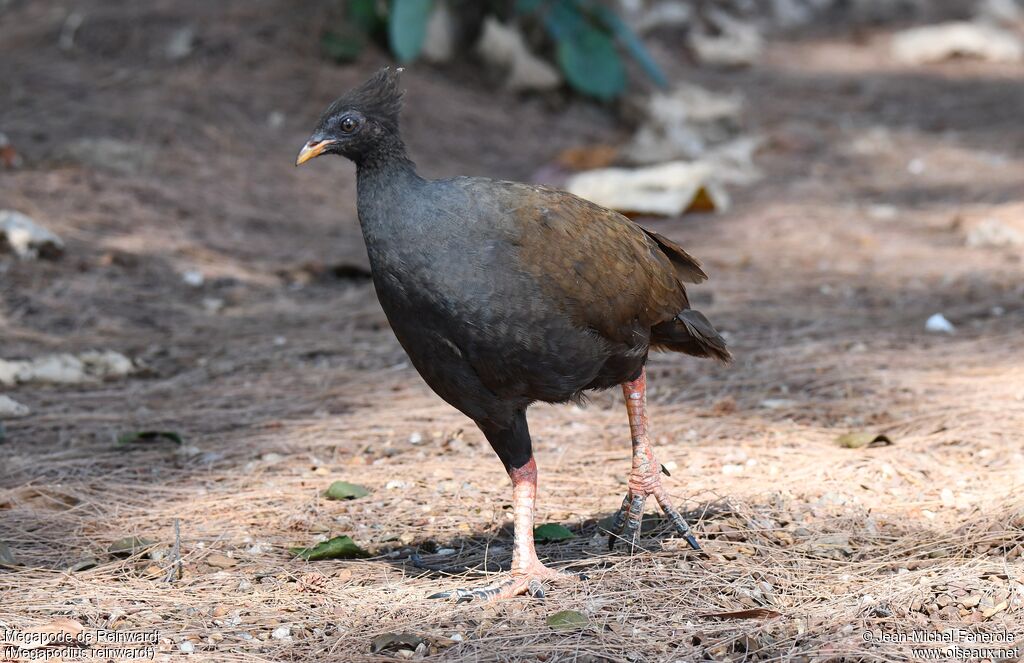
{"x":340,"y":547}
{"x":568,"y":619}
{"x":591,"y":64}
{"x":407,"y":27}
{"x":551,"y":533}
{"x":344,"y":46}
{"x":343,"y":490}
{"x":633,"y":44}
{"x":149,"y":436}
{"x":363,"y":14}
{"x":527,"y":6}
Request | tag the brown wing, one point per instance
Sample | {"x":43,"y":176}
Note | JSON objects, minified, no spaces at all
{"x":603,"y":270}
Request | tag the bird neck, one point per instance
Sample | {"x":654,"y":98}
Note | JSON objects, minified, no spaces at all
{"x":387,"y":158}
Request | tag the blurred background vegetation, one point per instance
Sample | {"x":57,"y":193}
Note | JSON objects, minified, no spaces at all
{"x":586,"y":39}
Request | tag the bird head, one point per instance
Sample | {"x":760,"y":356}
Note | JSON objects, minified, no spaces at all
{"x":359,"y":121}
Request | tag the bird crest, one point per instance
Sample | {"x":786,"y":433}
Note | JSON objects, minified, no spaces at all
{"x":378,"y":97}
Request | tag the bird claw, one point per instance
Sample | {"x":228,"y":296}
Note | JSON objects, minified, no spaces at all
{"x":518,"y":584}
{"x":627,"y":520}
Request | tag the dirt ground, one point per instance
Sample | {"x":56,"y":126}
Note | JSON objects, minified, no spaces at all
{"x":283,"y":377}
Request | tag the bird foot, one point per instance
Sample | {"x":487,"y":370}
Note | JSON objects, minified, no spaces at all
{"x":523,"y":581}
{"x":626,"y":523}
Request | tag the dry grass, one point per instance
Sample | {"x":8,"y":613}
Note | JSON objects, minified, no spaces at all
{"x":294,"y":383}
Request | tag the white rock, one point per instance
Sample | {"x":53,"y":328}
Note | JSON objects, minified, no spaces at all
{"x":26,"y":238}
{"x":935,"y":43}
{"x":181,"y":43}
{"x":67,"y":368}
{"x":275,"y":119}
{"x":193,"y":277}
{"x":503,"y":46}
{"x":993,"y":233}
{"x":12,"y":409}
{"x":282,"y":633}
{"x":939,"y":324}
{"x":667,"y":189}
{"x":186,"y":647}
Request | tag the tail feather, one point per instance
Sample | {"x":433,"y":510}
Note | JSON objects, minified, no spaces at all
{"x":693,"y":334}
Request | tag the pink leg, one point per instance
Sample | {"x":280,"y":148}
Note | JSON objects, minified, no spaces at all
{"x":527,"y":569}
{"x":645,"y":477}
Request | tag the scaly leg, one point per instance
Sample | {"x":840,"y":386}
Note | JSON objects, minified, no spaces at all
{"x":645,"y":478}
{"x":527,"y":569}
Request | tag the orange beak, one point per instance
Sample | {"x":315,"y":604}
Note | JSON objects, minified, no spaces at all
{"x":312,"y":149}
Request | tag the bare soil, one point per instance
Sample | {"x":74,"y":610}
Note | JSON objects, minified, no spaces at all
{"x":283,"y":377}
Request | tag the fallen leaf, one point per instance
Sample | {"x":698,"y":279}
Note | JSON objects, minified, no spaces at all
{"x":219,"y":561}
{"x":342,"y":490}
{"x":753,"y":613}
{"x":394,"y":642}
{"x":340,"y":547}
{"x":551,"y":533}
{"x":149,"y":436}
{"x":129,"y":546}
{"x":84,"y":564}
{"x":567,"y":619}
{"x":6,"y":556}
{"x":58,"y":631}
{"x":859,"y":439}
{"x":587,"y":157}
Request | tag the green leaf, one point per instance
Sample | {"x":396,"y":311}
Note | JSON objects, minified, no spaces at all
{"x":149,"y":436}
{"x":527,"y":6}
{"x":551,"y":533}
{"x":342,"y":46}
{"x":343,"y":490}
{"x":591,"y":63}
{"x":568,"y":619}
{"x":633,"y":44}
{"x":129,"y":546}
{"x":861,"y":439}
{"x":363,"y":15}
{"x":407,"y":27}
{"x":340,"y":547}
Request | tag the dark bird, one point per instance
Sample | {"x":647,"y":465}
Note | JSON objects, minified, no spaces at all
{"x":504,"y":294}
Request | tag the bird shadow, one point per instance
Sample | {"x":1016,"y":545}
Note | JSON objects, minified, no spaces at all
{"x":482,"y":555}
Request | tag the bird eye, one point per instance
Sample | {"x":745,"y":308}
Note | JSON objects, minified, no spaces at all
{"x":348,"y":125}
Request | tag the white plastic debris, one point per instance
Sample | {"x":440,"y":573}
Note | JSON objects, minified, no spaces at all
{"x":26,"y":238}
{"x":503,"y":47}
{"x":939,"y":325}
{"x":935,"y":43}
{"x":12,"y":409}
{"x":668,"y":189}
